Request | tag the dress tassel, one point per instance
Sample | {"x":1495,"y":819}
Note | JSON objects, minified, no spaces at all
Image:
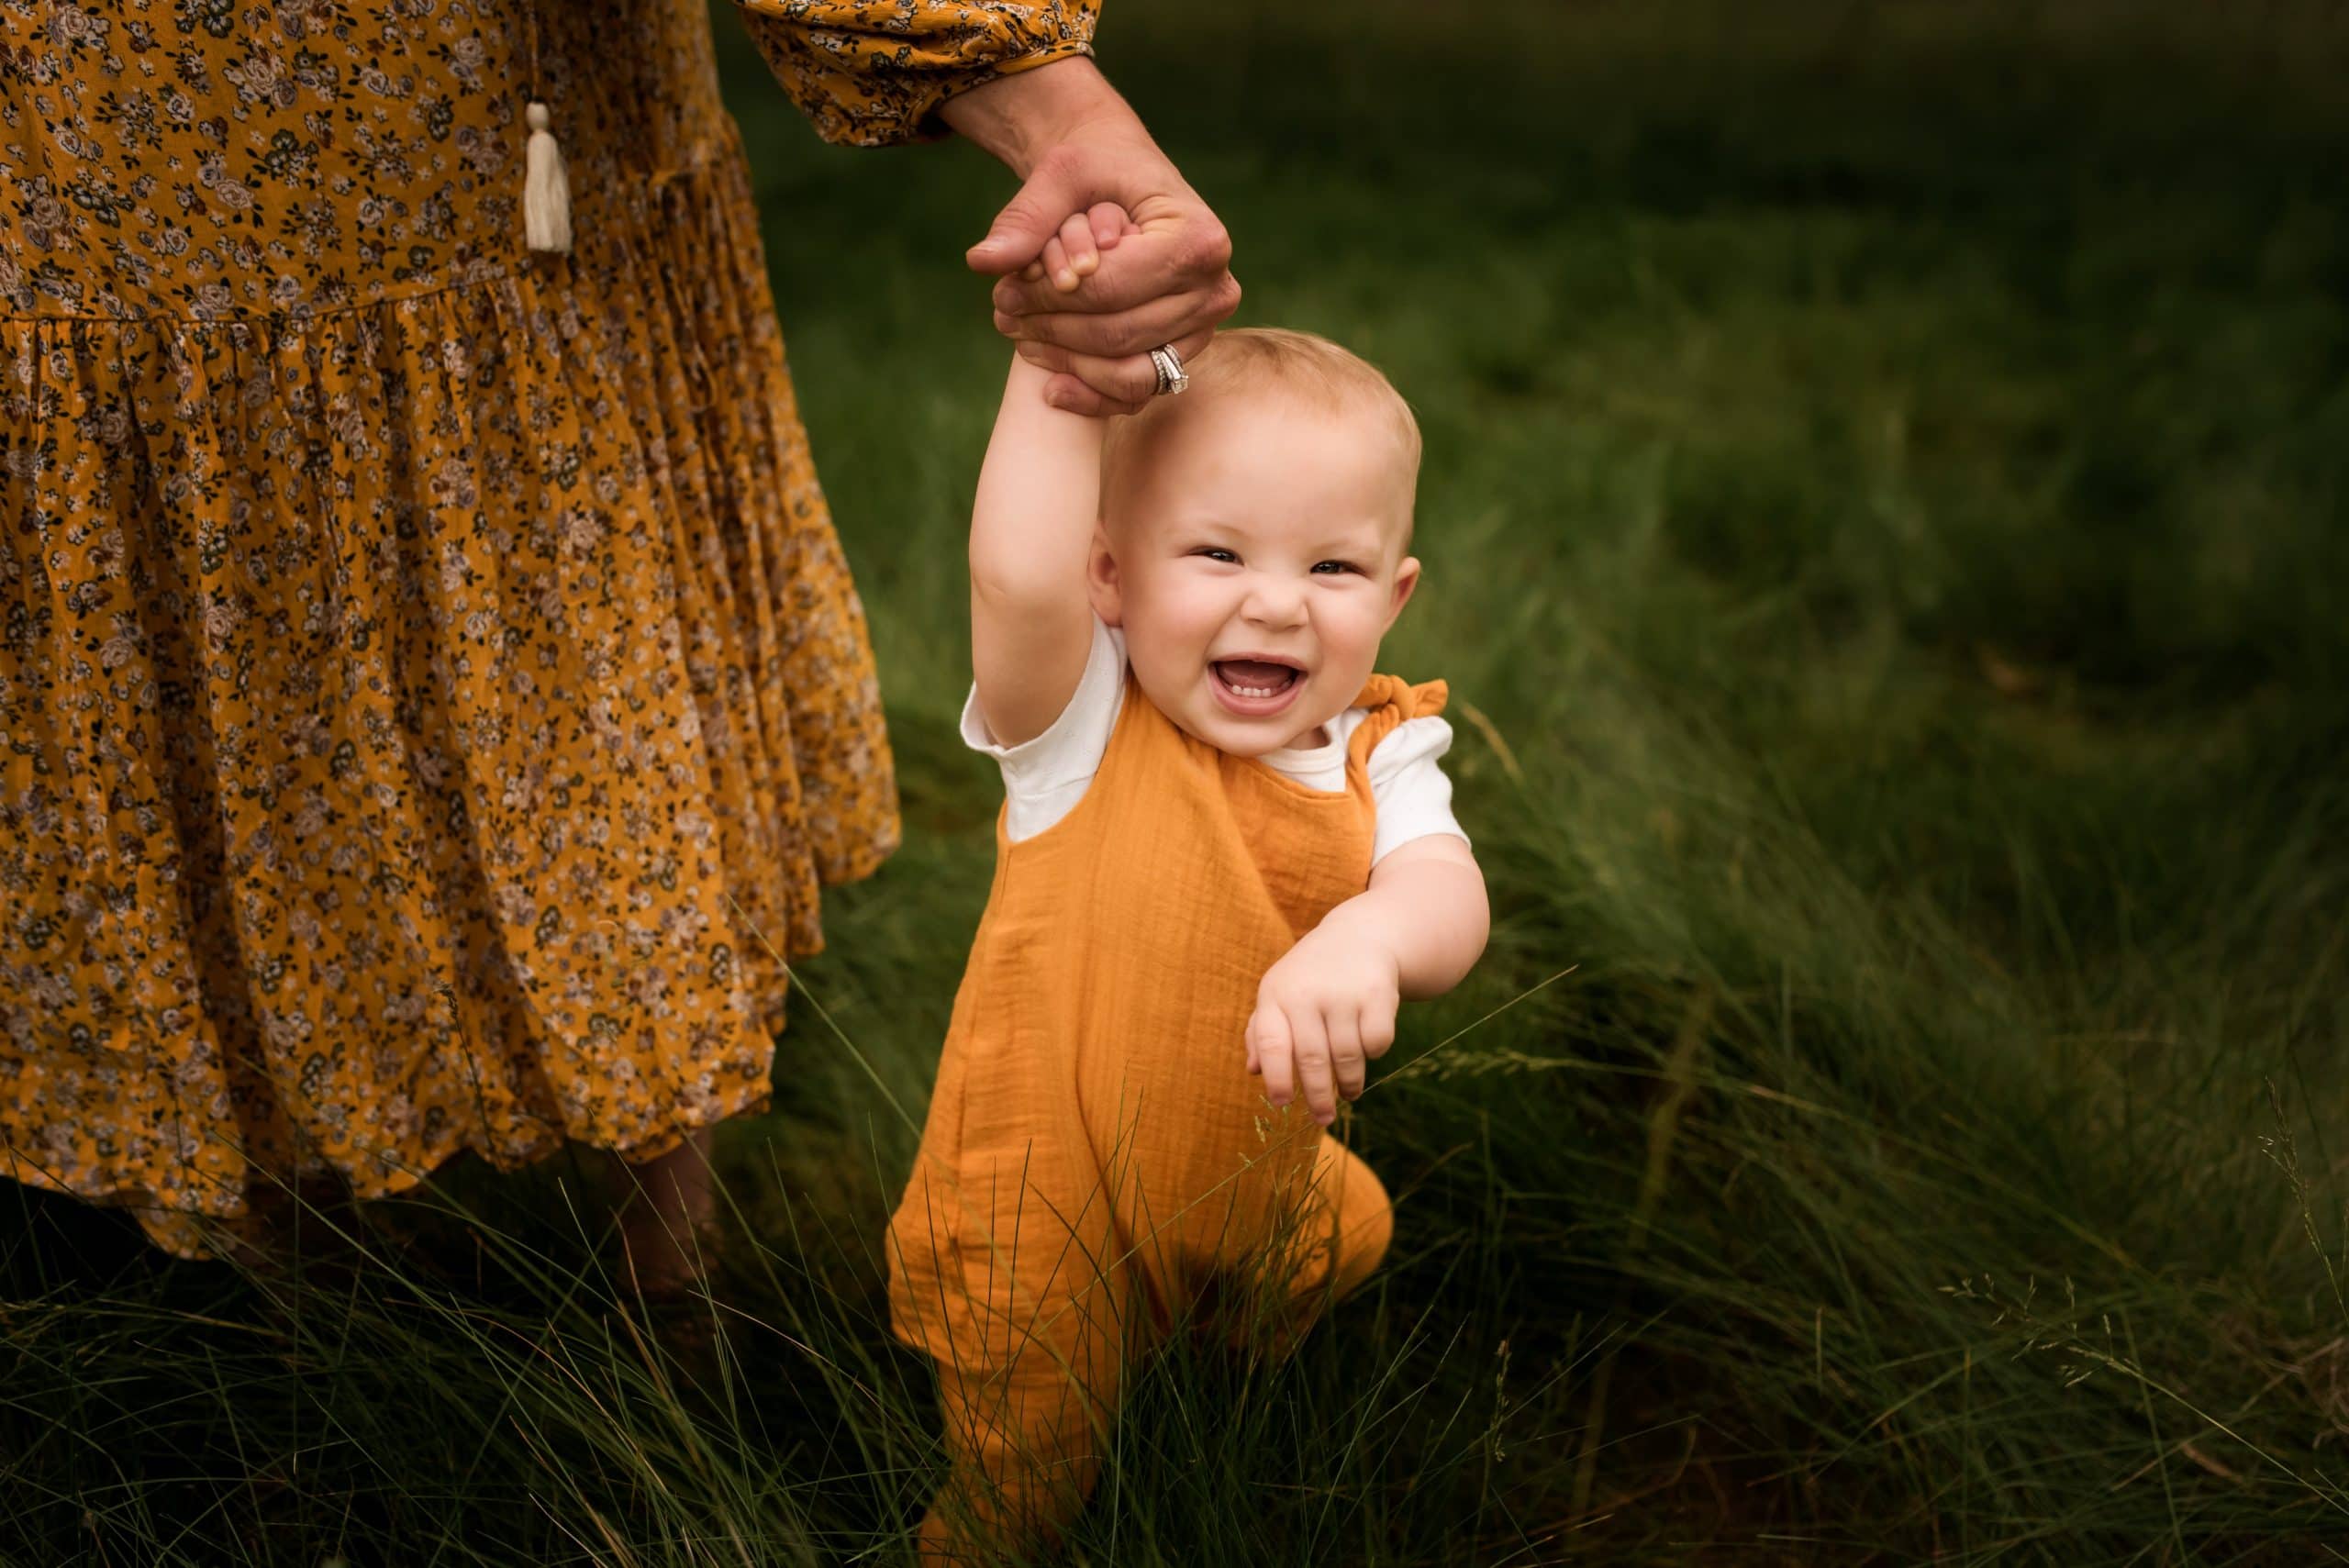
{"x":546,"y":190}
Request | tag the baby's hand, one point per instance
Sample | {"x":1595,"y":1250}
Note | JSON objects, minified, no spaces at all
{"x":1076,"y":251}
{"x":1321,"y":1012}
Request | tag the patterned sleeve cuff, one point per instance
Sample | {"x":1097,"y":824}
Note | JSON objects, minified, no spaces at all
{"x":873,"y":72}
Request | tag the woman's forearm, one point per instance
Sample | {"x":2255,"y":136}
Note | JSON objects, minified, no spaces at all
{"x":1020,"y":116}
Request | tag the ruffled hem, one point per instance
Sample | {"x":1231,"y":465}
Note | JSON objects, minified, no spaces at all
{"x":418,"y":722}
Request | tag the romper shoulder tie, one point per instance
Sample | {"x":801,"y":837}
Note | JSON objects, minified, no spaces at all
{"x":1393,"y":701}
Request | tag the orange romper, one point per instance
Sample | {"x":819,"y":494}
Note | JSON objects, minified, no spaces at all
{"x":1096,"y":1151}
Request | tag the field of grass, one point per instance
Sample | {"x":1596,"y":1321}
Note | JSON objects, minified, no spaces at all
{"x":1884,"y":516}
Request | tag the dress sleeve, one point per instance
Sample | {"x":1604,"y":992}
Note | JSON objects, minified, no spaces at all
{"x":871,"y":72}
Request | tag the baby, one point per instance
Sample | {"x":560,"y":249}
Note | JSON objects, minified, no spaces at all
{"x":1227,"y":848}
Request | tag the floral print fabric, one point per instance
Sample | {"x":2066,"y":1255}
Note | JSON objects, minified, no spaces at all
{"x":873,"y":71}
{"x":432,"y":691}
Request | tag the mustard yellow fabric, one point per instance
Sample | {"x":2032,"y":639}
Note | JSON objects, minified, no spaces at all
{"x":873,"y":72}
{"x":429,"y":679}
{"x":1096,"y":1157}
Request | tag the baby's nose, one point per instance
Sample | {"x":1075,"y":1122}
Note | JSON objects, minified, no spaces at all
{"x":1275,"y":603}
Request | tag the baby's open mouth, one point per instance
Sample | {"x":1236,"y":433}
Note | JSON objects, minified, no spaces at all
{"x":1257,"y":677}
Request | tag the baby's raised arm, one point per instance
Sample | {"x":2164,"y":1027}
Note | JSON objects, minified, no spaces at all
{"x":1031,"y":528}
{"x":1032,"y":521}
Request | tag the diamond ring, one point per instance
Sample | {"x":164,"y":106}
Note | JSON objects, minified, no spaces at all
{"x":1172,"y":377}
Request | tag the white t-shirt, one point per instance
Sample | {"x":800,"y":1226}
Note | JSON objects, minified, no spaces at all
{"x":1044,"y":778}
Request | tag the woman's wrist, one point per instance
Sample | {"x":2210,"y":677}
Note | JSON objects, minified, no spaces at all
{"x":1023,"y":115}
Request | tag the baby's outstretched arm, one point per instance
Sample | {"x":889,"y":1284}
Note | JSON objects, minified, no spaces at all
{"x":1328,"y":1006}
{"x":1031,"y":528}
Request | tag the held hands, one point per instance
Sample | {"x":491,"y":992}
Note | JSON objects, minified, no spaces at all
{"x":1073,"y":254}
{"x":1170,"y":282}
{"x":1075,"y":145}
{"x":1324,"y":1011}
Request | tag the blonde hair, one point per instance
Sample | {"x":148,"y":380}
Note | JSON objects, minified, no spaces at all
{"x":1248,"y":360}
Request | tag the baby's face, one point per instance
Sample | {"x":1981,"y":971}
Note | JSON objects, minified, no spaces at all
{"x":1254,"y":557}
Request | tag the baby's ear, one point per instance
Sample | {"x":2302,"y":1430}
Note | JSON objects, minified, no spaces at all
{"x":1102,"y":584}
{"x":1407,"y":582}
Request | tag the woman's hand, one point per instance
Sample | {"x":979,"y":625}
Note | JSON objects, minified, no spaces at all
{"x":1075,"y":144}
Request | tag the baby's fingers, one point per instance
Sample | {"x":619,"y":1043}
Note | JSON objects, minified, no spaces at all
{"x":1378,"y":1026}
{"x":1071,"y":255}
{"x":1313,"y":1075}
{"x":1346,"y":1054}
{"x":1268,"y":1049}
{"x":1109,"y":224}
{"x":1076,"y":251}
{"x":1056,"y":265}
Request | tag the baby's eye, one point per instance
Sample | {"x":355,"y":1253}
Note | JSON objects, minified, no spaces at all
{"x":1216,"y":553}
{"x":1335,"y":566}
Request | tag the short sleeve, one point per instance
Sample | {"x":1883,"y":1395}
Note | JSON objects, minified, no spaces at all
{"x":1408,"y":786}
{"x":872,"y":73}
{"x":1044,"y":777}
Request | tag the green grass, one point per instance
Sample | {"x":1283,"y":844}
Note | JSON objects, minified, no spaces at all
{"x":1886,"y":469}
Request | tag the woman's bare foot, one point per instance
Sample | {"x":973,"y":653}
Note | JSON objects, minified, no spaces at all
{"x":665,"y":1208}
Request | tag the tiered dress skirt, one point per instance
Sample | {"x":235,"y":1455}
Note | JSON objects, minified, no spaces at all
{"x":431,"y":690}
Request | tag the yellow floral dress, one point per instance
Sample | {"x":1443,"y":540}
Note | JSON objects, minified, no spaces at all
{"x":429,"y":679}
